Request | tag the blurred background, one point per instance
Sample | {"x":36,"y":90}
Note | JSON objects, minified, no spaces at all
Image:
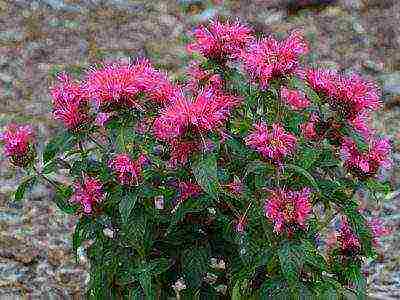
{"x":39,"y":38}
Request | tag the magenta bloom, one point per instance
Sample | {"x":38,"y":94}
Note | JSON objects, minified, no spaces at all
{"x":287,"y":208}
{"x":187,"y":190}
{"x":347,"y":239}
{"x":309,"y":129}
{"x":102,"y":119}
{"x":235,"y":187}
{"x":115,"y":84}
{"x":274,"y":143}
{"x":208,"y":111}
{"x":295,"y":99}
{"x":361,"y":123}
{"x":269,"y":58}
{"x":128,"y":171}
{"x":88,"y":194}
{"x":366,"y":164}
{"x":17,"y":141}
{"x":378,"y":230}
{"x":346,"y":93}
{"x":69,"y":102}
{"x":220,"y":41}
{"x":199,"y":78}
{"x":180,"y":152}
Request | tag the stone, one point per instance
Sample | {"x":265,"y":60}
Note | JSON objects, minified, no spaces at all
{"x":12,"y":272}
{"x":391,"y":83}
{"x":61,"y":5}
{"x":274,"y":16}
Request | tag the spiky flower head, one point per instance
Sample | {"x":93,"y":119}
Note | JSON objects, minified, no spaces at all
{"x":272,"y":142}
{"x":17,"y":140}
{"x":128,"y":171}
{"x":288,"y":209}
{"x":348,"y":241}
{"x":88,"y":193}
{"x":220,"y":41}
{"x":295,"y":99}
{"x":269,"y":58}
{"x":69,"y":101}
{"x":366,"y":163}
{"x":208,"y":111}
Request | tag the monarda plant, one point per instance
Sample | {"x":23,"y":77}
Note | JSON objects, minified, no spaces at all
{"x":239,"y":181}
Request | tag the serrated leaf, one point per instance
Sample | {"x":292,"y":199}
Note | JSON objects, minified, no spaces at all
{"x":126,"y":205}
{"x":81,"y":233}
{"x":23,"y":186}
{"x":145,"y":280}
{"x":60,"y":143}
{"x":306,"y":174}
{"x":290,"y":262}
{"x":206,"y":173}
{"x":61,"y":198}
{"x":195,"y":264}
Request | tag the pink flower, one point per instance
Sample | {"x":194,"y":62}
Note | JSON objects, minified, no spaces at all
{"x":187,"y":190}
{"x":102,"y":119}
{"x":180,"y":152}
{"x":295,"y":99}
{"x":211,"y":109}
{"x":361,"y":123}
{"x":273,"y":143}
{"x":88,"y":194}
{"x":199,"y":78}
{"x":115,"y":84}
{"x":366,"y":164}
{"x":347,"y":239}
{"x":349,"y":94}
{"x":17,"y":141}
{"x":69,"y":102}
{"x":220,"y":41}
{"x":128,"y":171}
{"x":378,"y":230}
{"x":240,"y":225}
{"x":235,"y":187}
{"x":287,"y":208}
{"x":269,"y":58}
{"x":208,"y":111}
{"x":309,"y":129}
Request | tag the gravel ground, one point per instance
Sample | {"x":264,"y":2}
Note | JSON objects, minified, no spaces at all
{"x":39,"y":38}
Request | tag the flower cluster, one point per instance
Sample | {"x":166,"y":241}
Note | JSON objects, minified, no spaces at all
{"x":88,"y":193}
{"x":70,"y":104}
{"x":348,"y":241}
{"x":366,"y":164}
{"x":287,"y":209}
{"x":219,"y":40}
{"x":274,"y":143}
{"x":17,"y":142}
{"x":294,"y":98}
{"x":208,"y":111}
{"x":128,"y":171}
{"x":269,"y":58}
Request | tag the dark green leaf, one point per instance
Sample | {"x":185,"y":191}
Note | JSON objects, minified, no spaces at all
{"x":145,"y":280}
{"x":62,"y":199}
{"x":81,"y":233}
{"x":24,"y":185}
{"x":206,"y":173}
{"x":126,"y":205}
{"x":290,"y":259}
{"x":195,"y":264}
{"x":306,"y":174}
{"x":60,"y":143}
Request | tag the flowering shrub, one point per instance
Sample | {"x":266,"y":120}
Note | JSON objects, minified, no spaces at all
{"x":240,"y":180}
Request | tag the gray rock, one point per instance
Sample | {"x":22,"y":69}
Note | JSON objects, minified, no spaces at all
{"x":125,"y":5}
{"x":191,"y":2}
{"x":12,"y":35}
{"x":61,"y":5}
{"x":391,"y":83}
{"x":11,"y":272}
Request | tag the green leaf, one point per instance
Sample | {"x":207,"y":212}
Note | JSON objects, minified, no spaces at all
{"x":311,"y":256}
{"x":61,"y":198}
{"x":60,"y":143}
{"x":290,"y":262}
{"x":81,"y":233}
{"x":377,"y":186}
{"x":206,"y":173}
{"x":49,"y":167}
{"x":24,"y":185}
{"x":306,"y":174}
{"x":195,"y":264}
{"x":126,"y":205}
{"x":145,"y":279}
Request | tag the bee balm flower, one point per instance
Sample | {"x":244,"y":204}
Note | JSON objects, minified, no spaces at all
{"x":17,"y":144}
{"x":294,"y":99}
{"x":88,"y":194}
{"x":128,"y":171}
{"x":274,"y":143}
{"x":287,"y":208}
